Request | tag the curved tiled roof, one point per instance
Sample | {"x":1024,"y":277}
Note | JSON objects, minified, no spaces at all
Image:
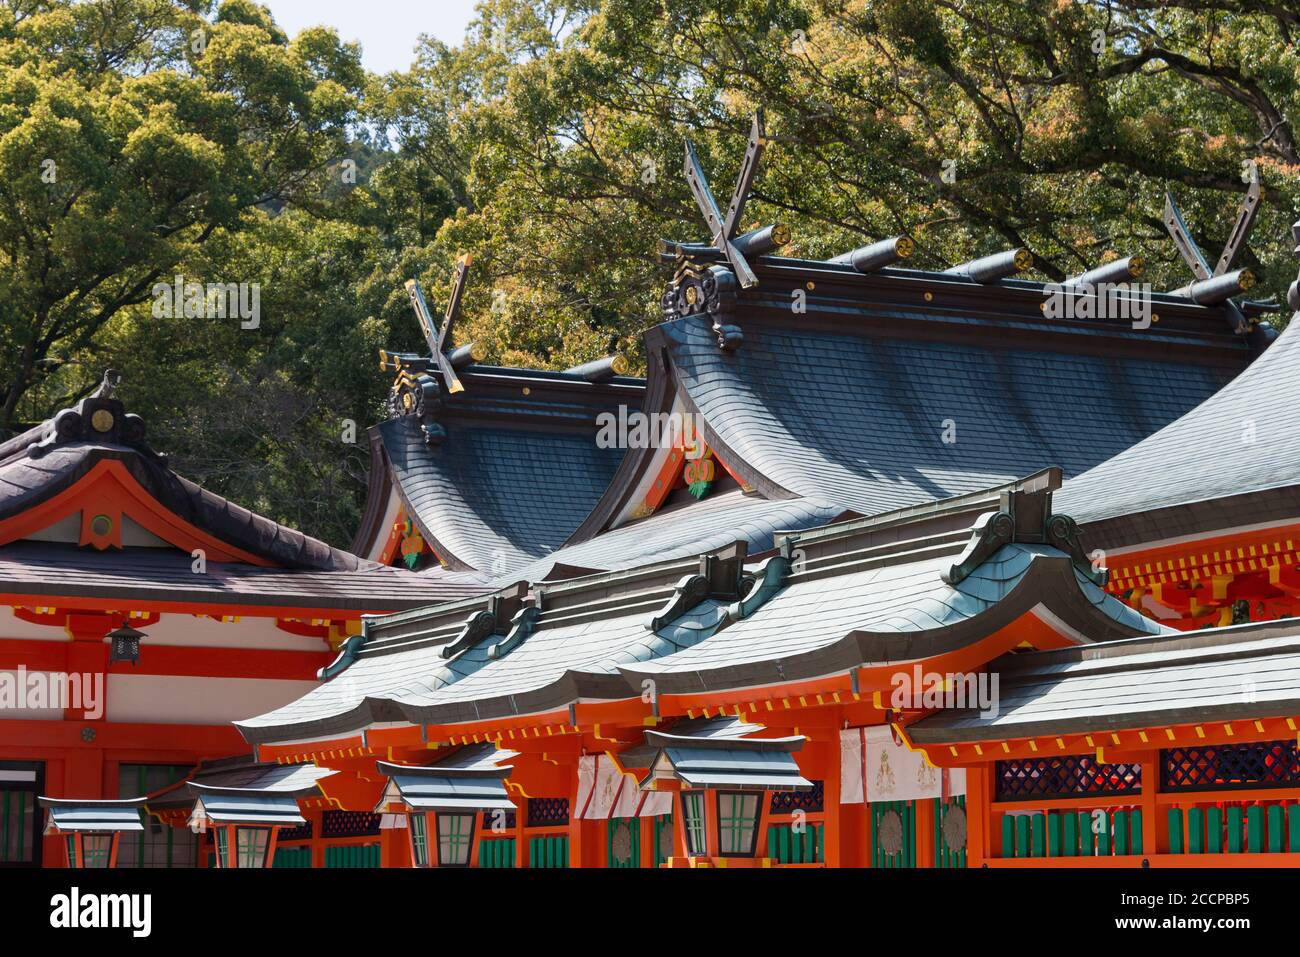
{"x":515,"y":469}
{"x":887,"y":390}
{"x":1244,"y":439}
{"x":864,"y":594}
{"x":889,"y":613}
{"x":303,"y":572}
{"x":163,"y":575}
{"x":714,"y":522}
{"x":850,"y":404}
{"x":52,"y":457}
{"x":494,"y":498}
{"x":1220,"y":674}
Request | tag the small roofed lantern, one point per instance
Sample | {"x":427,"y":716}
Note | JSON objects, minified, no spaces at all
{"x":247,"y":817}
{"x":92,"y":830}
{"x":722,"y":778}
{"x":441,"y":803}
{"x":125,"y":644}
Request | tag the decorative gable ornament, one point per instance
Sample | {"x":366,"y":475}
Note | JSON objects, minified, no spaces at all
{"x":421,"y":380}
{"x":98,"y":418}
{"x":708,"y":274}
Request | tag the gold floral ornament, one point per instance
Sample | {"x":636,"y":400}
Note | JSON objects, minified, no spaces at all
{"x":891,"y":833}
{"x":412,"y":544}
{"x":954,"y":828}
{"x":622,"y":842}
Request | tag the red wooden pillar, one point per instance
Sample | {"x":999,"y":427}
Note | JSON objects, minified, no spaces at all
{"x":394,"y":848}
{"x":584,"y":841}
{"x":764,"y":819}
{"x":646,"y":826}
{"x":317,"y":819}
{"x":521,"y":833}
{"x":978,"y":812}
{"x":712,"y":843}
{"x":87,"y":657}
{"x":1155,"y":839}
{"x":833,"y":820}
{"x":586,"y":844}
{"x":680,"y":847}
{"x":924,"y":832}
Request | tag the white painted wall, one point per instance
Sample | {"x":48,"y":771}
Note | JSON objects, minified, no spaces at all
{"x":171,"y":699}
{"x":184,"y":631}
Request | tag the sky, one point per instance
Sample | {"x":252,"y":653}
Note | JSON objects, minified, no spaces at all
{"x":386,"y":29}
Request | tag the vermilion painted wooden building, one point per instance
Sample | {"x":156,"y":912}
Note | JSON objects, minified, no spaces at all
{"x":914,"y":590}
{"x":238,"y":615}
{"x":865,"y":642}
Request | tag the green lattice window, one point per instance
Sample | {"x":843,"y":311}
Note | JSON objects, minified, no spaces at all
{"x":251,"y":844}
{"x":797,"y":844}
{"x":419,"y":839}
{"x":548,"y":851}
{"x":693,"y":818}
{"x":497,"y":852}
{"x":353,"y":855}
{"x":1096,"y":833}
{"x":737,"y":823}
{"x":455,"y":837}
{"x":96,"y":849}
{"x":20,"y":822}
{"x":158,"y":845}
{"x":297,"y":858}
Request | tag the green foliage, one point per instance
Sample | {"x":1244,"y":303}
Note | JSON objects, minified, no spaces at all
{"x":131,"y":133}
{"x":549,"y":144}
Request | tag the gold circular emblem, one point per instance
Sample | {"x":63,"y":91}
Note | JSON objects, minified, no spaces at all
{"x":621,"y":844}
{"x":890,"y":832}
{"x":954,"y":829}
{"x":666,"y":848}
{"x":101,"y":420}
{"x":407,"y":401}
{"x":692,"y":295}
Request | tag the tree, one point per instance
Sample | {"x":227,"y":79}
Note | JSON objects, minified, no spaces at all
{"x":131,"y":133}
{"x":973,"y":125}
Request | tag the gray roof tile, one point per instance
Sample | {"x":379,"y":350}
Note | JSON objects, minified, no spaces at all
{"x":1243,"y":439}
{"x":858,"y":421}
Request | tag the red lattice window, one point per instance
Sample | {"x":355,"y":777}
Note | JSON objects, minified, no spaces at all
{"x":1069,"y":775}
{"x":1260,"y":764}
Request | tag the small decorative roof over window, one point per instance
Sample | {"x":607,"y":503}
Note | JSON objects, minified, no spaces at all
{"x":70,"y":815}
{"x":469,"y":779}
{"x":717,"y":753}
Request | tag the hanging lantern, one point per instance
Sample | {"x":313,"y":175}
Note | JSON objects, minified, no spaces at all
{"x":91,"y":830}
{"x":125,"y":643}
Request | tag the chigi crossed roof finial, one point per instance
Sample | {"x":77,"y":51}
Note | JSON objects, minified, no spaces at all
{"x":415,"y":391}
{"x":1217,"y":286}
{"x":437,"y":338}
{"x":723,"y":229}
